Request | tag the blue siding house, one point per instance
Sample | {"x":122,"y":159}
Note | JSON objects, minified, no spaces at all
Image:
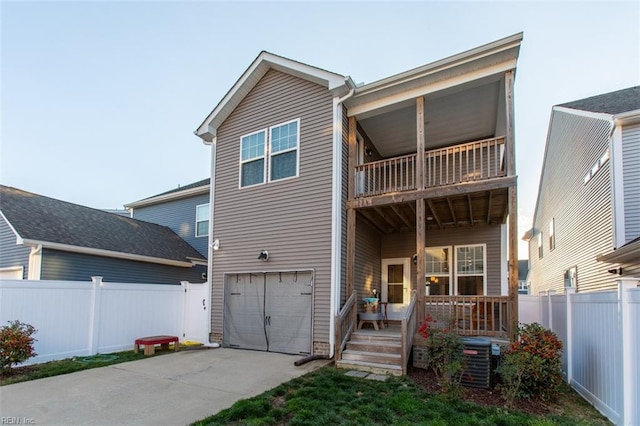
{"x":184,"y":209}
{"x":42,"y":238}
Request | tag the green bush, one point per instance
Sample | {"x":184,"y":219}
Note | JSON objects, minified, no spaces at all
{"x":531,"y":365}
{"x":16,"y":344}
{"x":445,"y":356}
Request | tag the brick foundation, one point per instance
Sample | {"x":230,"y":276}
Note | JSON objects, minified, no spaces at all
{"x":320,"y":348}
{"x":215,"y":338}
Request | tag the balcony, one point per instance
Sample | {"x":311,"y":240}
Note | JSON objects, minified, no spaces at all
{"x":451,"y":165}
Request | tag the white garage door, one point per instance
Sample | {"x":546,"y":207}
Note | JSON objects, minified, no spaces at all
{"x":269,"y":311}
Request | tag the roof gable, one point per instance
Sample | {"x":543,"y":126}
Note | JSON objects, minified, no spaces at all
{"x":58,"y":224}
{"x":336,"y":83}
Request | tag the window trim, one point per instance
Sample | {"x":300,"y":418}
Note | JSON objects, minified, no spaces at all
{"x":271,"y":154}
{"x":198,"y":221}
{"x":540,"y":245}
{"x":264,"y":158}
{"x":484,"y":267}
{"x":574,"y":281}
{"x":552,"y":234}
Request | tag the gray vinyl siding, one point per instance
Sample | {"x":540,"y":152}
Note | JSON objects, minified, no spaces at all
{"x":12,"y":254}
{"x":368,"y":260}
{"x":290,"y":218}
{"x":180,"y":216}
{"x":583,"y":213}
{"x":66,"y":266}
{"x":403,"y":245}
{"x":631,"y":180}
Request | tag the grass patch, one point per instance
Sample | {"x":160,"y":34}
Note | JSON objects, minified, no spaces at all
{"x":70,"y":365}
{"x":328,"y":396}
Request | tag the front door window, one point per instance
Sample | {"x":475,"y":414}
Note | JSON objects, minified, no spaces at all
{"x":395,"y":282}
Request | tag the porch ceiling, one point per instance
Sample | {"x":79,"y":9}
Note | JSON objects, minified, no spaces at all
{"x":452,"y":116}
{"x":466,"y":210}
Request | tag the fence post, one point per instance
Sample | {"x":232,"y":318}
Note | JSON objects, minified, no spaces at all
{"x":94,"y":315}
{"x":550,"y":307}
{"x":569,"y":342}
{"x":629,"y":386}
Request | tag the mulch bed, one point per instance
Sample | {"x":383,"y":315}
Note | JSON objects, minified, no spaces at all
{"x":485,"y":397}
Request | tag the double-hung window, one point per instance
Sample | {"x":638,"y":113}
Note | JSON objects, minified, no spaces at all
{"x":438,"y":270}
{"x":252,"y":158}
{"x":273,"y":153}
{"x":202,"y":220}
{"x":283,"y":150}
{"x":470,"y":270}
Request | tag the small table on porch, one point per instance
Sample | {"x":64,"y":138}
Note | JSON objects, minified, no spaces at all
{"x":371,"y":318}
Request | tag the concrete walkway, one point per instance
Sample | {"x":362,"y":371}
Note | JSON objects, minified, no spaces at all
{"x":172,"y":389}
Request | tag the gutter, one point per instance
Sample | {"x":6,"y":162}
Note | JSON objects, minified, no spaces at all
{"x":336,"y":216}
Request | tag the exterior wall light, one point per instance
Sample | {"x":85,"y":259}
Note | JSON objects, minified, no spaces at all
{"x":216,"y":244}
{"x":264,"y":255}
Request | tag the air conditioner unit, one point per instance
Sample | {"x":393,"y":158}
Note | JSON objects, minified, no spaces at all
{"x":477,"y":356}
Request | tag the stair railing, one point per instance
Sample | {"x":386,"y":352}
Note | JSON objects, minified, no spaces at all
{"x":408,"y":330}
{"x":345,"y":324}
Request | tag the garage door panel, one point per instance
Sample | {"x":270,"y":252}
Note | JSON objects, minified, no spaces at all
{"x":244,"y":312}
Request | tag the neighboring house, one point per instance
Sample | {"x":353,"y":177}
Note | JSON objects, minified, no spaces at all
{"x":42,"y":238}
{"x":184,"y":209}
{"x":523,"y":273}
{"x":589,"y":195}
{"x":323,"y":188}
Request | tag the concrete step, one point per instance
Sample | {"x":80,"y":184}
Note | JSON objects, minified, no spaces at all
{"x":372,"y":367}
{"x":374,"y":346}
{"x":374,"y":357}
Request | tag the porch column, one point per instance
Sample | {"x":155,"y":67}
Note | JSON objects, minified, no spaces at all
{"x":420,"y":215}
{"x":351,"y":213}
{"x":513,"y":206}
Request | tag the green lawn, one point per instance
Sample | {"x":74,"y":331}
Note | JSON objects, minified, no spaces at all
{"x":69,"y":365}
{"x":329,"y":397}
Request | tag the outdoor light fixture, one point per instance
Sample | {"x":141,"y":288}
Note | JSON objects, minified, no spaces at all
{"x":216,"y":244}
{"x":368,"y":151}
{"x":617,"y":271}
{"x":415,"y":259}
{"x":264,"y":256}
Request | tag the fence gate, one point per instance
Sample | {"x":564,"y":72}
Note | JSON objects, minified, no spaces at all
{"x":269,"y":311}
{"x":196,"y":312}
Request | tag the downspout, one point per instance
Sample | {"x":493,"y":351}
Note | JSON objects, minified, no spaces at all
{"x":336,"y":217}
{"x":210,"y":251}
{"x":35,"y":263}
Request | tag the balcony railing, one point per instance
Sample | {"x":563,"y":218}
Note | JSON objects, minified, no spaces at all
{"x":451,"y":165}
{"x":470,"y":315}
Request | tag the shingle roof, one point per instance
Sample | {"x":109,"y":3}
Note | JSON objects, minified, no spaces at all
{"x":609,"y":103}
{"x":40,"y":218}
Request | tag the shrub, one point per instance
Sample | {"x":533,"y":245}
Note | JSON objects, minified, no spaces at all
{"x":16,"y":344}
{"x":445,"y":356}
{"x":531,"y":365}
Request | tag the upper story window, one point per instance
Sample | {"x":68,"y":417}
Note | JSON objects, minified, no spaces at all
{"x":283,"y":156}
{"x":279,"y":144}
{"x":437,"y":270}
{"x":540,"y":247}
{"x":252,"y":153}
{"x":552,"y":234}
{"x":202,"y":220}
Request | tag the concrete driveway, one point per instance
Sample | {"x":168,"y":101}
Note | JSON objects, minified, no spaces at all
{"x":172,"y":389}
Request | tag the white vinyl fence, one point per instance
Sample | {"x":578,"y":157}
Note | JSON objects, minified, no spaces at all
{"x":601,"y":336}
{"x":87,"y":318}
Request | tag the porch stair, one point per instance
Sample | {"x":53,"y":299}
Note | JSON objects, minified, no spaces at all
{"x":376,"y":351}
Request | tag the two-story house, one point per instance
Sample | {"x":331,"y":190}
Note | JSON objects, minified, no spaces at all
{"x":324,"y":191}
{"x":42,"y":238}
{"x":589,"y":195}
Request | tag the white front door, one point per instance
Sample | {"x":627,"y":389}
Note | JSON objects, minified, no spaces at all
{"x":196,"y":312}
{"x":396,"y":286}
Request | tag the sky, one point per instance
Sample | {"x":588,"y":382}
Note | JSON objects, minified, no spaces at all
{"x":99,"y":100}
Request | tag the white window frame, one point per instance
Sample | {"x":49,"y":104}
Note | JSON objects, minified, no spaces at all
{"x":540,"y":246}
{"x":272,"y":154}
{"x":198,"y":221}
{"x":448,"y":275}
{"x":484,"y":267}
{"x":264,"y":158}
{"x":552,"y":234}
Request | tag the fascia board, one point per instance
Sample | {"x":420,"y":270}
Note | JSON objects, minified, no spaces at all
{"x":336,"y":83}
{"x":512,"y":42}
{"x":622,"y":255}
{"x":629,"y":117}
{"x":106,"y":253}
{"x":168,"y":197}
{"x":588,"y":114}
{"x":397,"y":95}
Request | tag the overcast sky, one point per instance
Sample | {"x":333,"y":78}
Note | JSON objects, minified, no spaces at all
{"x":100,"y":99}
